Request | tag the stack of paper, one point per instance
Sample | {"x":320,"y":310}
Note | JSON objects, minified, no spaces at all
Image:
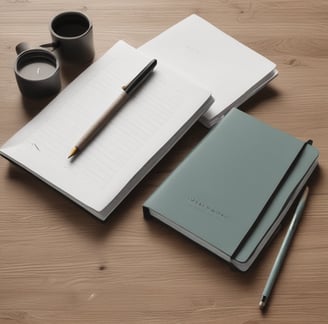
{"x":218,"y":62}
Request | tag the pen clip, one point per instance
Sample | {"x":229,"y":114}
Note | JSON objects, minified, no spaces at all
{"x":138,"y":80}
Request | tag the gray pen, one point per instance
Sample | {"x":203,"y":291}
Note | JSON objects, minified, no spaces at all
{"x":283,"y":250}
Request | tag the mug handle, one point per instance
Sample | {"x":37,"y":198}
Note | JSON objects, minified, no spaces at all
{"x":53,"y":45}
{"x":21,"y":47}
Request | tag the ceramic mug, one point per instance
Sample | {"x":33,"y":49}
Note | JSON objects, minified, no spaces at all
{"x":72,"y":36}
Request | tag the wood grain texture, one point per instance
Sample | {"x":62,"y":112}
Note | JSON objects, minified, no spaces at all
{"x":60,"y":265}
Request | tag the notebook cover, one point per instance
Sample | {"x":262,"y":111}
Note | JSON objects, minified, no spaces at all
{"x":219,"y":191}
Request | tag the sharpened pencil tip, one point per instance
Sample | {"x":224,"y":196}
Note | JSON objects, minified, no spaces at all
{"x":73,"y":152}
{"x":262,"y":303}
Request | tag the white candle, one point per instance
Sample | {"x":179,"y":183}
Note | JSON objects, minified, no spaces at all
{"x":37,"y":70}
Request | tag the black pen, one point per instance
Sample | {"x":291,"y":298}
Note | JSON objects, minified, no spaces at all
{"x":114,"y":107}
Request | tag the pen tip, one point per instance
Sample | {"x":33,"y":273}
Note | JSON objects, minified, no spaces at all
{"x":73,"y":152}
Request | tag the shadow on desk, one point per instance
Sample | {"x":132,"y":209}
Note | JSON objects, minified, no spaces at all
{"x":33,"y":106}
{"x":265,"y":94}
{"x":71,"y":71}
{"x":62,"y":207}
{"x":209,"y":263}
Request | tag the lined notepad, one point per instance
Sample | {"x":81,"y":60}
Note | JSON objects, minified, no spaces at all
{"x":130,"y":145}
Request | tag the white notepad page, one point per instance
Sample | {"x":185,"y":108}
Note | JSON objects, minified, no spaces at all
{"x":110,"y":165}
{"x":230,"y":70}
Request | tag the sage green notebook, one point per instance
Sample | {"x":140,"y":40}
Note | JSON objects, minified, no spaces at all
{"x":233,"y":190}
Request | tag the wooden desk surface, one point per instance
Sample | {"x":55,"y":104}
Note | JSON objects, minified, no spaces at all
{"x":60,"y":265}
